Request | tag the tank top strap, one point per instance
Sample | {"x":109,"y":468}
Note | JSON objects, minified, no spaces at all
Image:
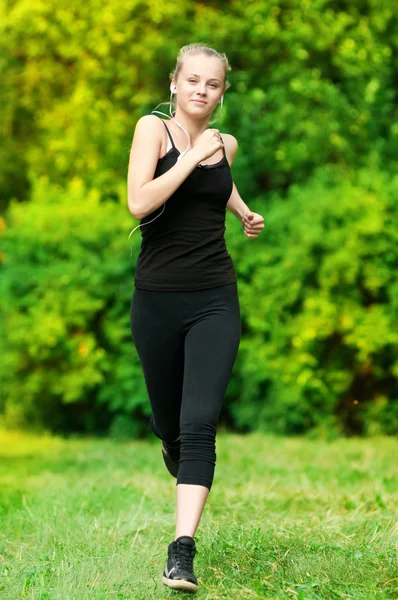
{"x":172,"y":142}
{"x":169,"y":134}
{"x":223,"y":146}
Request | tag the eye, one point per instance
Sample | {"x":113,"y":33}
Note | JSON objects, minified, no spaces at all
{"x":191,"y":80}
{"x":214,"y":85}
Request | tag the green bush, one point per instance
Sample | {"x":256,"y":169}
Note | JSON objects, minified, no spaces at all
{"x":68,"y":359}
{"x":319,"y":298}
{"x":311,"y":83}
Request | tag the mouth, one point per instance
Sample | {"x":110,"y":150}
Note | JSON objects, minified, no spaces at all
{"x":199,"y":101}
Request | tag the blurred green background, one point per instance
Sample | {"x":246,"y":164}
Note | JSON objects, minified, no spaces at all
{"x":313,"y":104}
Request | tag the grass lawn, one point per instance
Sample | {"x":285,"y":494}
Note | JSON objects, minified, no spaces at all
{"x":286,"y":518}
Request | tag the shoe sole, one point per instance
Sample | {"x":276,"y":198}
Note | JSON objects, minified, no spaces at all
{"x":180,"y":584}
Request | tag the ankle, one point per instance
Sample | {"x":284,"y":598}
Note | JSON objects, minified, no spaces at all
{"x":185,"y":535}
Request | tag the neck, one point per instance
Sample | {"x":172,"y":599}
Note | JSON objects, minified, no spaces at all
{"x":194,"y":127}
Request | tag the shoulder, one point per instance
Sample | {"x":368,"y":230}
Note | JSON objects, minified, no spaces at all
{"x":151,"y":122}
{"x":231,"y":146}
{"x":148,"y":130}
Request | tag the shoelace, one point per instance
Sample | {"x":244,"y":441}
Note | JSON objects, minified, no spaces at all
{"x":184,"y":557}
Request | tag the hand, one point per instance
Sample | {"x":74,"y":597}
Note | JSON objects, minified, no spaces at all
{"x":207,"y":144}
{"x":252,"y":224}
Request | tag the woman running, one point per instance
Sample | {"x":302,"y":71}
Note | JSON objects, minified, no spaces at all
{"x":185,"y":313}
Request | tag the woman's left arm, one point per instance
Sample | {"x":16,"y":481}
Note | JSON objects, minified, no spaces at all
{"x":252,"y":222}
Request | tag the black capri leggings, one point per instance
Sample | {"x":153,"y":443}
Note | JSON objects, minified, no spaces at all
{"x":187,"y":344}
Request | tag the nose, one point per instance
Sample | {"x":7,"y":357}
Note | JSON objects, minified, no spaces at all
{"x":201,"y":89}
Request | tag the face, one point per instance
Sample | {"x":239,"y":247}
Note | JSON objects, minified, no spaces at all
{"x":200,"y":84}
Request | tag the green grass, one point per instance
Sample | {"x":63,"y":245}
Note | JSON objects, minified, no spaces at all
{"x":286,"y":518}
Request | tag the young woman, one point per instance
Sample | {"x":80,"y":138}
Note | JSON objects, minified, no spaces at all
{"x":185,"y":313}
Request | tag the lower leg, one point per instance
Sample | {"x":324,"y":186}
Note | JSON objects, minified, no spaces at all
{"x":191,"y":500}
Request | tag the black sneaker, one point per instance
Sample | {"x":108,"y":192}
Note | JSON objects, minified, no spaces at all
{"x":170,"y":450}
{"x":178,"y":572}
{"x":171,"y":456}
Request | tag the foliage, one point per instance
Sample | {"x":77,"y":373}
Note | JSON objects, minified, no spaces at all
{"x":313,"y":105}
{"x":311,"y":83}
{"x":319,"y":304}
{"x":64,"y":292}
{"x":320,"y":308}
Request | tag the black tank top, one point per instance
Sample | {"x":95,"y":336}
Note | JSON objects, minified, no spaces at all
{"x":184,"y":248}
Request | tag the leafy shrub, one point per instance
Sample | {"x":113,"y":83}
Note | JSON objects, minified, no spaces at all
{"x":319,"y":298}
{"x":68,"y":360}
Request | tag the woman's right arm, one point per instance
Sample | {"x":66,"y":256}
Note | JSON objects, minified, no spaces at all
{"x":145,"y":194}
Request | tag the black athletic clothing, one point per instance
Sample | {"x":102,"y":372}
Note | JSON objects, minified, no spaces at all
{"x":185,"y":314}
{"x":187,"y":343}
{"x":184,"y":248}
